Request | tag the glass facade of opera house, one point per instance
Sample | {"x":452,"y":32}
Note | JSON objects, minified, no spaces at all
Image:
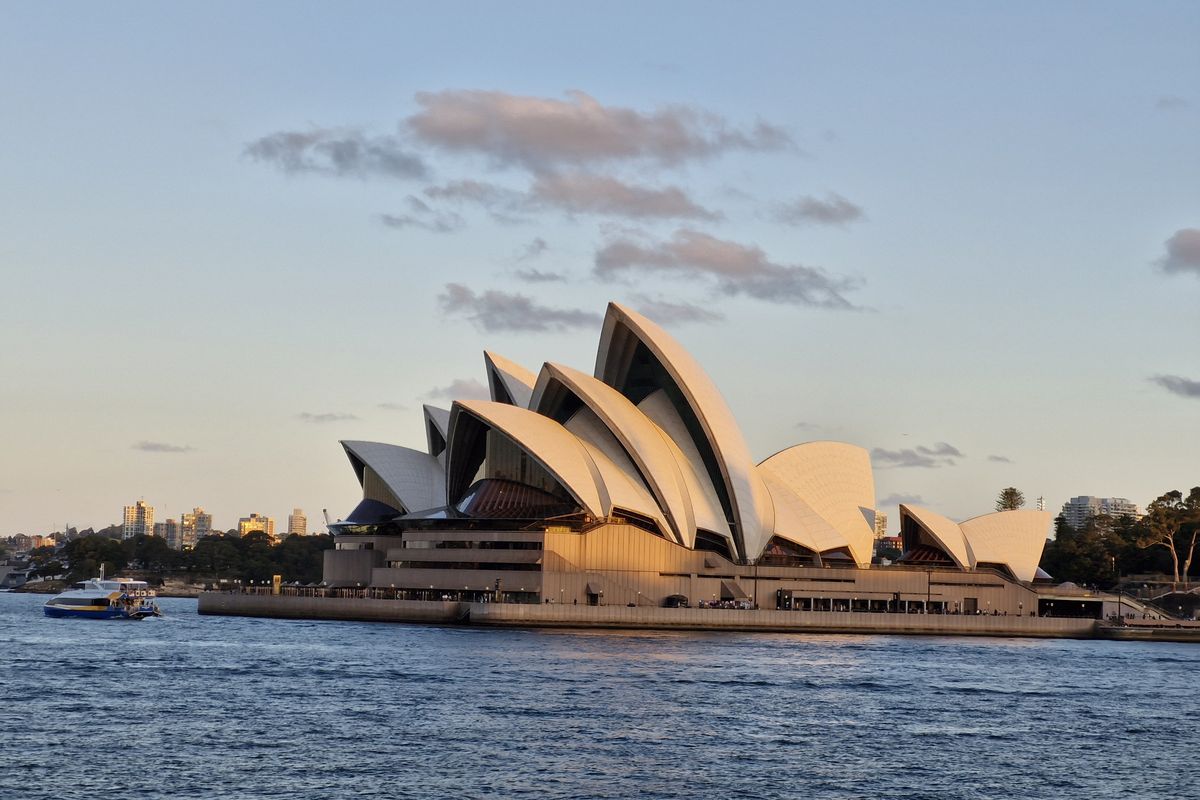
{"x":634,"y":486}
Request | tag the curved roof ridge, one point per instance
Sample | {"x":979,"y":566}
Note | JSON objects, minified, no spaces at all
{"x":556,"y":449}
{"x":835,"y":479}
{"x":415,"y":477}
{"x":643,"y":441}
{"x":945,"y":531}
{"x":1013,"y":538}
{"x":509,"y":378}
{"x":747,"y":495}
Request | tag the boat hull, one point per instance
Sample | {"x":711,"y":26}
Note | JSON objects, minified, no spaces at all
{"x":86,"y":613}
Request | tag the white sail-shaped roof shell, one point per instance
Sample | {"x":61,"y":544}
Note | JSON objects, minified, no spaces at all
{"x":945,"y":533}
{"x":508,"y":380}
{"x":799,"y":522}
{"x":748,"y":497}
{"x":554,"y":447}
{"x":706,"y":505}
{"x":417,"y":479}
{"x":646,"y":444}
{"x":835,"y":479}
{"x":437,"y":430}
{"x":1013,"y":538}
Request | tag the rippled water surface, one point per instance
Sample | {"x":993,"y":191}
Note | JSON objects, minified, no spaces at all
{"x":200,"y":707}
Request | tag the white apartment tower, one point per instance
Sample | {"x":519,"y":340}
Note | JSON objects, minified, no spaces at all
{"x":297,"y":523}
{"x":139,"y":520}
{"x":1078,"y":510}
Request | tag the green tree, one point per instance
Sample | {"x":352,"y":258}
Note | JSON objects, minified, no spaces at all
{"x":1172,"y":522}
{"x":1010,"y":499}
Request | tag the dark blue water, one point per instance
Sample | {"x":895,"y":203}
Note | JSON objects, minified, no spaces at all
{"x":208,"y":707}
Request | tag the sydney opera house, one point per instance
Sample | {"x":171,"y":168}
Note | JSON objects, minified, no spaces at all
{"x":633,"y":485}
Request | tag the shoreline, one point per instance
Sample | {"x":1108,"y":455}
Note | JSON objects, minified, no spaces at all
{"x":517,"y":615}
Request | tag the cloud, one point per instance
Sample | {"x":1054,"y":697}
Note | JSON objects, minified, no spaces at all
{"x":326,"y":417}
{"x":503,"y":311}
{"x":895,"y":499}
{"x":1170,"y":102}
{"x":460,"y":389}
{"x":539,"y":276}
{"x":543,"y":133}
{"x":342,"y":153}
{"x":666,"y":313}
{"x":737,"y":268}
{"x":940,"y":455}
{"x":585,"y":193}
{"x":162,"y":447}
{"x":833,"y":210}
{"x":1183,"y":252}
{"x":533,"y":249}
{"x":575,"y":193}
{"x":1000,"y":459}
{"x":805,"y":426}
{"x":424,"y":217}
{"x":1184,"y":387}
{"x":393,"y":407}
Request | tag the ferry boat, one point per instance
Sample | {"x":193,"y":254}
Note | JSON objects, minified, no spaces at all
{"x":98,"y":598}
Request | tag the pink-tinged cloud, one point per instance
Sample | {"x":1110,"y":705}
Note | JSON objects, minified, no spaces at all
{"x":736,"y":268}
{"x":541,"y":133}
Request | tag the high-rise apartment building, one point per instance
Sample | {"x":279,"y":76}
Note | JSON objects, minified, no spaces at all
{"x":255,"y":522}
{"x":297,"y":523}
{"x":880,"y":524}
{"x":1078,"y":510}
{"x":194,"y":526}
{"x":139,"y":520}
{"x":169,"y":530}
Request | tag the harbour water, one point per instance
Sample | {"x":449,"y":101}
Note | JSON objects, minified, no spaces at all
{"x":226,"y":707}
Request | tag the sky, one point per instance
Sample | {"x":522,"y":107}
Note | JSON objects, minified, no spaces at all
{"x":965,"y":236}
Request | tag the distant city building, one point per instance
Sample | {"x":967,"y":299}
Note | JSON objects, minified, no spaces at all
{"x":139,"y":520}
{"x":880,"y":524}
{"x":297,"y":523}
{"x":1078,"y":510}
{"x":21,"y":543}
{"x":169,"y":530}
{"x":255,"y":522}
{"x":892,"y":543}
{"x":194,"y":526}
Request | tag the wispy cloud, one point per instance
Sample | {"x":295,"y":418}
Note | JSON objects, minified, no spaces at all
{"x":541,"y":133}
{"x":459,"y":389}
{"x":540,"y":276}
{"x":424,"y":217}
{"x":833,"y":210}
{"x":393,"y":407}
{"x":736,"y":268}
{"x":1000,"y":459}
{"x":1170,"y":102}
{"x":318,"y":419}
{"x":895,"y":499}
{"x":574,"y":193}
{"x":337,"y":152}
{"x":162,"y":447}
{"x":666,"y":312}
{"x":493,"y":311}
{"x":586,"y":193}
{"x":1183,"y":252}
{"x":1184,"y":387}
{"x":533,"y":249}
{"x":940,"y":455}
